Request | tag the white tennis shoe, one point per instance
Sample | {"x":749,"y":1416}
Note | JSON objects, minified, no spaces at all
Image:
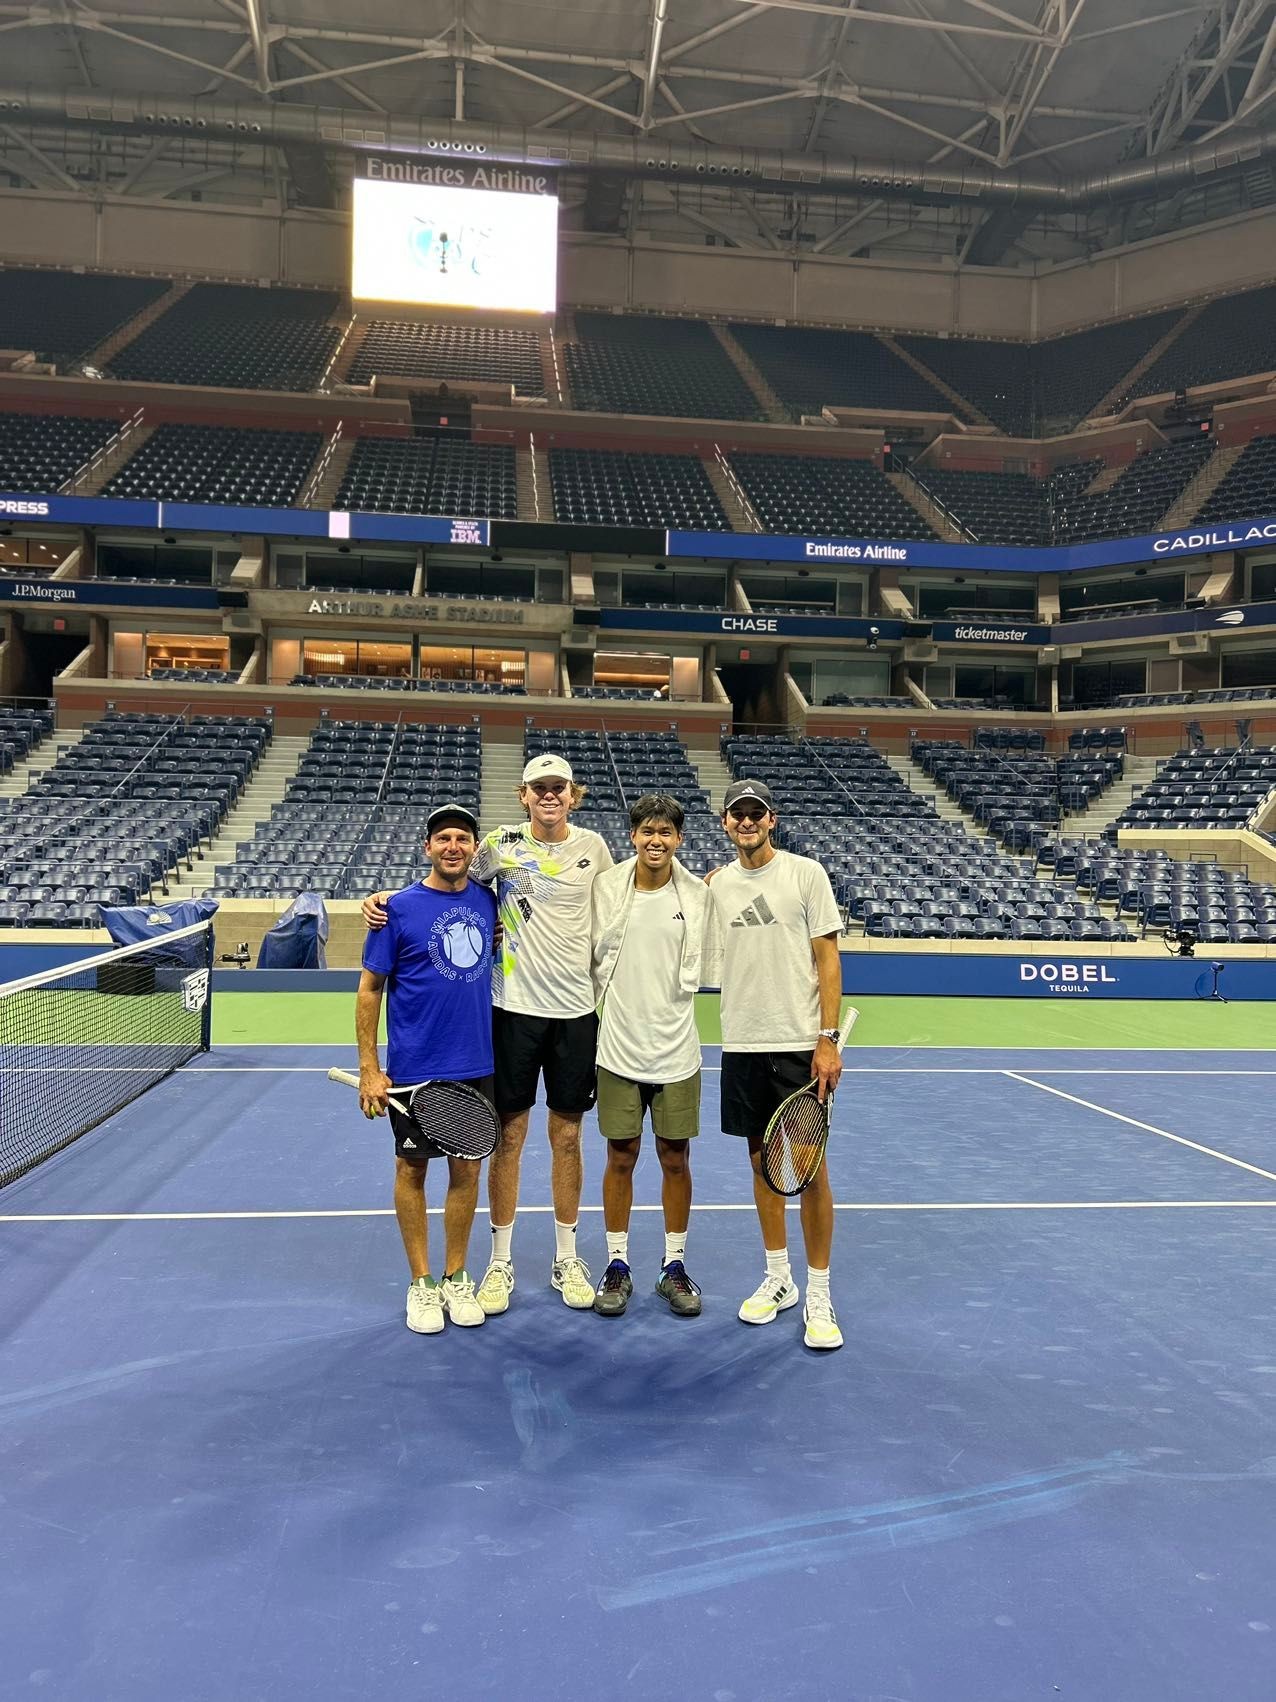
{"x":773,"y":1294}
{"x":820,"y":1321}
{"x":425,"y":1308}
{"x":572,"y":1280}
{"x":459,"y":1300}
{"x":496,"y":1287}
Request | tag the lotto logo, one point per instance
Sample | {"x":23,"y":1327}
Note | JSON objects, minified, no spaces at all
{"x":195,"y":991}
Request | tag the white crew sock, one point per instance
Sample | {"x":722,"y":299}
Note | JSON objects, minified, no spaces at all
{"x":502,"y":1235}
{"x":777,"y":1264}
{"x":564,"y":1240}
{"x":675,"y":1244}
{"x":817,"y":1283}
{"x":618,"y":1246}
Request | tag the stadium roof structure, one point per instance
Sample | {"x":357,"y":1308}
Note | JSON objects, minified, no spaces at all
{"x":988,"y":132}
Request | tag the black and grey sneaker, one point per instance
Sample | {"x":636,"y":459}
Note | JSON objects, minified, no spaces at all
{"x":679,"y":1290}
{"x":614,"y":1290}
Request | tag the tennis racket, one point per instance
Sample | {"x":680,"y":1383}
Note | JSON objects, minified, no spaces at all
{"x":457,"y":1119}
{"x":795,"y":1138}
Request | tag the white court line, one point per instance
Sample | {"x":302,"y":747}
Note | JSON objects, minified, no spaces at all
{"x":707,"y":1069}
{"x":851,"y":1206}
{"x":1150,"y":1128}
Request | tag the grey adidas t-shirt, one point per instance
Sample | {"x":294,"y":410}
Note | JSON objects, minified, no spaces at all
{"x":768,"y":918}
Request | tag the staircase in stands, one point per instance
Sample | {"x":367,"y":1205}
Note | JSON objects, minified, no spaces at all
{"x":502,"y":771}
{"x":270,"y":779}
{"x":1107,"y":403}
{"x":1201,"y":487}
{"x":1080,"y":824}
{"x":766,"y":398}
{"x":102,"y":356}
{"x":917,"y":499}
{"x":715,"y":777}
{"x":42,"y":758}
{"x":962,"y":403}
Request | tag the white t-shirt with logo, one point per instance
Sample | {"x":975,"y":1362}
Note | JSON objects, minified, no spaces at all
{"x":768,"y":918}
{"x":648,"y":1031}
{"x":542,"y":896}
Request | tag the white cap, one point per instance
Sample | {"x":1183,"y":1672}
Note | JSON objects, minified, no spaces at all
{"x":549,"y":766}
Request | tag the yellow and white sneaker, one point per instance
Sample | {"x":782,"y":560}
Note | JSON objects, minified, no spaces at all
{"x":425,"y":1307}
{"x":773,"y":1294}
{"x":496,"y":1287}
{"x":820,"y":1321}
{"x":459,"y":1300}
{"x":572,"y":1280}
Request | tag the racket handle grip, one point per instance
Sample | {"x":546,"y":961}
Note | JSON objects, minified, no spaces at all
{"x":848,"y":1023}
{"x":347,"y":1078}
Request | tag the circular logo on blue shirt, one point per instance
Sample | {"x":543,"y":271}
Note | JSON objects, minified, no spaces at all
{"x":462,"y":943}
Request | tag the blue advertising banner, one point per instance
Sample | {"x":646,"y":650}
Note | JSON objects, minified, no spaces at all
{"x":745,"y":626}
{"x":983,"y":558}
{"x":210,"y":517}
{"x":106,"y":593}
{"x":1069,"y":975}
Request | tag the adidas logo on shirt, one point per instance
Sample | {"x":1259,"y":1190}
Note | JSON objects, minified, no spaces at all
{"x":756,"y":915}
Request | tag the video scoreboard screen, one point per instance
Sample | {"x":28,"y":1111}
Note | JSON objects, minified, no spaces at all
{"x":454,"y":234}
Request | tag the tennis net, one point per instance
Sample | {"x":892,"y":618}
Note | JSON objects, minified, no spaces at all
{"x":79,"y":1043}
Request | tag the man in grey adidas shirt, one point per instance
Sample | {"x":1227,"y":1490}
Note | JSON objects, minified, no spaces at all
{"x":781,"y":1001}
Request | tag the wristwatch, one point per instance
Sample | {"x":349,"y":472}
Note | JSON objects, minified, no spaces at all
{"x":833,"y":1034}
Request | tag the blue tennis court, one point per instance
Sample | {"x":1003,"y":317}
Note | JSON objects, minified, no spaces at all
{"x":1042,"y":1465}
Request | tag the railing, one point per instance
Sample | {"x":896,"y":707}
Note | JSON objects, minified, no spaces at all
{"x":116,"y":441}
{"x":737,"y":489}
{"x":936,"y":501}
{"x":536,"y":491}
{"x":317,"y":477}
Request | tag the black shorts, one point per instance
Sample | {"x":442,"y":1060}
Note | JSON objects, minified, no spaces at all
{"x":560,"y":1048}
{"x":409,"y":1143}
{"x":755,"y":1085}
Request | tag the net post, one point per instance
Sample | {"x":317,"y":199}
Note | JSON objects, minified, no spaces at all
{"x":206,"y":1017}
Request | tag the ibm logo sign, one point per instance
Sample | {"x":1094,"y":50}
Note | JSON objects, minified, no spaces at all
{"x":467,"y":532}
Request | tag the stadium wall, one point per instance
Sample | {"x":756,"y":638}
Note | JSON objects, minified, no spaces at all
{"x":129,"y":234}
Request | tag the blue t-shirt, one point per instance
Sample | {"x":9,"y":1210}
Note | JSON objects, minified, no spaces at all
{"x":436,"y":952}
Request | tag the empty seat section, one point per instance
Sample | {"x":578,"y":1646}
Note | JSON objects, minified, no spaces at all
{"x":1234,"y":336}
{"x":611,"y":487}
{"x":1248,"y":489}
{"x":488,"y":354}
{"x":218,"y":464}
{"x":1006,"y":508}
{"x":431,"y":475}
{"x":353,"y":816}
{"x":1072,"y":374}
{"x":138,"y":797}
{"x":672,"y":367}
{"x":1198,"y":789}
{"x":825,"y":493}
{"x":62,"y":316}
{"x":40,"y":452}
{"x":1140,"y":498}
{"x":239,"y":337}
{"x":994,"y":377}
{"x":812,"y":369}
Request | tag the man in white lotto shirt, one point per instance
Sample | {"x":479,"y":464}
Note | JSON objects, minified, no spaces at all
{"x":543,"y":1020}
{"x":781,"y":999}
{"x":653,"y":932}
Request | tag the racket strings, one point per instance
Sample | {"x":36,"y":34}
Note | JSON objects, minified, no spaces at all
{"x":794,"y":1146}
{"x":456,"y":1119}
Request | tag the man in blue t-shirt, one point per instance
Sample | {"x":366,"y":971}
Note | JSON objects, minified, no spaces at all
{"x":435,"y":955}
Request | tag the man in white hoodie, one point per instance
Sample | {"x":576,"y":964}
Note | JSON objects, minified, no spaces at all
{"x":650,"y":922}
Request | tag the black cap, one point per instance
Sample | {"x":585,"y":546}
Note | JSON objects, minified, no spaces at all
{"x":755,"y":789}
{"x":451,"y":812}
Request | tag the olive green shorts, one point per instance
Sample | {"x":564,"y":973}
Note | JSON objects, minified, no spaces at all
{"x":622,"y":1104}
